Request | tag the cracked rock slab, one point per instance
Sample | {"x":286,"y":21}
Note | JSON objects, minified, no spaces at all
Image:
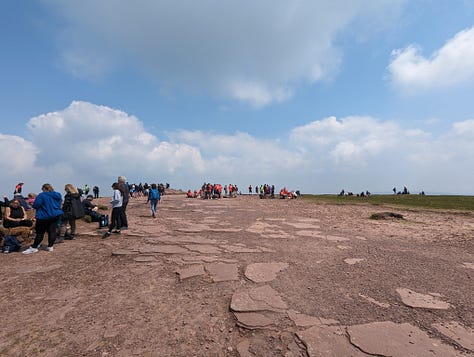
{"x":398,"y":340}
{"x":222,"y":271}
{"x":190,"y":271}
{"x":328,"y":341}
{"x":254,"y":320}
{"x":264,"y":272}
{"x":263,"y":298}
{"x":413,"y":299}
{"x":464,"y":336}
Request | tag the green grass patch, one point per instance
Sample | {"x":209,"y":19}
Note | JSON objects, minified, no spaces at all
{"x":463,"y":203}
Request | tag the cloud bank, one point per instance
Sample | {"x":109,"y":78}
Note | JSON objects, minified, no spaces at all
{"x":93,"y":144}
{"x":451,"y":65}
{"x":255,"y":52}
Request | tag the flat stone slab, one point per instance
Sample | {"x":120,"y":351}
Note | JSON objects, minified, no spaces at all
{"x":191,"y":271}
{"x":303,"y":225}
{"x":398,"y":340}
{"x":463,"y":335}
{"x":254,"y":320}
{"x":222,"y":271}
{"x":181,"y":239}
{"x":240,"y":249}
{"x":352,"y":261}
{"x":264,"y":272}
{"x":468,"y":265}
{"x":145,"y":259}
{"x":119,"y":252}
{"x":272,"y":234}
{"x":263,"y":298}
{"x":203,"y":248}
{"x":305,"y":233}
{"x":164,"y":249}
{"x":375,"y":302}
{"x":344,"y":247}
{"x":328,"y":341}
{"x":414,"y":299}
{"x":302,"y":320}
{"x":336,"y":238}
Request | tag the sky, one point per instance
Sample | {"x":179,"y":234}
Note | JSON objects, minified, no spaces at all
{"x":312,"y":95}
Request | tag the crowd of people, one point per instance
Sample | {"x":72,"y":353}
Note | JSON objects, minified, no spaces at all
{"x":52,"y":214}
{"x":213,"y":191}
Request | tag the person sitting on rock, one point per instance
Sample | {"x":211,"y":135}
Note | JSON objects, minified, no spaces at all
{"x":90,"y":209}
{"x":15,"y":216}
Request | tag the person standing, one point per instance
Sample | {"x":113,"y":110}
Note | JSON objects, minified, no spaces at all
{"x":48,"y":213}
{"x":117,"y":202}
{"x":123,"y":187}
{"x":153,"y":198}
{"x":73,"y":209}
{"x":95,"y":189}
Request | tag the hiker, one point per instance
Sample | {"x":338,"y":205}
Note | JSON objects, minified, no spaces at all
{"x":48,"y":213}
{"x":95,"y":189}
{"x":73,"y":209}
{"x":116,"y":220}
{"x":125,"y":191}
{"x":153,"y":198}
{"x":250,"y":189}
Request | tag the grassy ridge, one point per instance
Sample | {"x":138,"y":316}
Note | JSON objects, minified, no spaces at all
{"x":465,"y":203}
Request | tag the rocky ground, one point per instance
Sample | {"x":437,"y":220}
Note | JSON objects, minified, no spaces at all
{"x":248,"y":277}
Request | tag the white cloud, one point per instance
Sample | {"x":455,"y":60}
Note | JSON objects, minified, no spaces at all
{"x":452,"y":64}
{"x":256,"y":52}
{"x":87,"y":143}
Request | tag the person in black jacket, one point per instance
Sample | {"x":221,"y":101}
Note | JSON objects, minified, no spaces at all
{"x":73,"y":209}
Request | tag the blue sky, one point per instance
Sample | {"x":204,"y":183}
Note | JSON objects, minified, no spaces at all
{"x":312,"y":95}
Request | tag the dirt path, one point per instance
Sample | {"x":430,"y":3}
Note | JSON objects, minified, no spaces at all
{"x":247,"y":277}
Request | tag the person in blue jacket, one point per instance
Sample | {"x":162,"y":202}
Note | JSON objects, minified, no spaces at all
{"x":48,"y":213}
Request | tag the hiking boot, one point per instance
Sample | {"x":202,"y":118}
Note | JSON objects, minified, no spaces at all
{"x":123,"y":228}
{"x":59,"y":240}
{"x":6,"y":250}
{"x":106,"y":234}
{"x":117,"y":231}
{"x":48,"y":249}
{"x":30,"y":250}
{"x":69,"y":237}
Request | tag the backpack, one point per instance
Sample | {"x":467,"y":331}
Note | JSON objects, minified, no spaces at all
{"x":77,"y":209}
{"x":104,"y":221}
{"x":154,"y":194}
